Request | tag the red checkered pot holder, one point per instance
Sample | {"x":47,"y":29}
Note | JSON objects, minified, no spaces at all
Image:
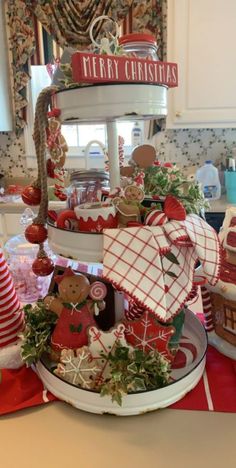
{"x":134,"y":262}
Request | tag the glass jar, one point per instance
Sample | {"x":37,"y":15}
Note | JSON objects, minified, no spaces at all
{"x":139,"y":45}
{"x":87,"y":186}
{"x":20,"y":255}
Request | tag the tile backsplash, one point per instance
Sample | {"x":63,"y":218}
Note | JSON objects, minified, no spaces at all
{"x":185,"y":147}
{"x":194,"y":146}
{"x":13,"y":157}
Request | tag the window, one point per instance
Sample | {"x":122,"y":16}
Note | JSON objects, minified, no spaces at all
{"x":77,"y":136}
{"x":230,"y":319}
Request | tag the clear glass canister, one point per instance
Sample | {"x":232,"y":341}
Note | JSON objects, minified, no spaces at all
{"x":87,"y":186}
{"x":20,"y":255}
{"x":139,"y":45}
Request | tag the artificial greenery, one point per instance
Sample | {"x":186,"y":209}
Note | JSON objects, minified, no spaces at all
{"x":67,"y":80}
{"x":134,"y":371}
{"x":39,"y":325}
{"x":162,"y":181}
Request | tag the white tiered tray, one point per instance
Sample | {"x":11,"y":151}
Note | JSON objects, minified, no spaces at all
{"x":83,"y":246}
{"x":184,"y":378}
{"x":113,"y":101}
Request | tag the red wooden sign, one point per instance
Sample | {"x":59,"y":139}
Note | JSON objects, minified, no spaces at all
{"x":95,"y":68}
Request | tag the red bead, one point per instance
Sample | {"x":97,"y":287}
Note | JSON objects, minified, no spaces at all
{"x":36,"y":233}
{"x":42,"y":266}
{"x":31,"y":195}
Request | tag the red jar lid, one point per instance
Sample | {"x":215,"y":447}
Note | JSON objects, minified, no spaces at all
{"x":137,"y":37}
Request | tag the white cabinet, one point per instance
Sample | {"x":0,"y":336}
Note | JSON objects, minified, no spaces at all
{"x":6,"y":123}
{"x":202,"y":40}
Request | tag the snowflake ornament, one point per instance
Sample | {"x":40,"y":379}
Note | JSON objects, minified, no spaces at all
{"x":102,"y":343}
{"x":147,"y":334}
{"x":78,"y":367}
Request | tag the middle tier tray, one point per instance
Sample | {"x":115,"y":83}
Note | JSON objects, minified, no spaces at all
{"x":83,"y":246}
{"x":102,"y":102}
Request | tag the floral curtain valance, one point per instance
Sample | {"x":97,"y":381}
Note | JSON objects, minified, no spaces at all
{"x":21,"y":46}
{"x":68,"y":22}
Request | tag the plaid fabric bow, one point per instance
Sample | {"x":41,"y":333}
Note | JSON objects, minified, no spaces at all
{"x":137,"y":261}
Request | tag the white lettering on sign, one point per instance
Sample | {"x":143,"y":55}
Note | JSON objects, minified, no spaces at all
{"x":174,"y":74}
{"x":94,"y":64}
{"x":104,"y":68}
{"x":116,"y":69}
{"x":87,"y":71}
{"x":127,"y":75}
{"x":110,"y":68}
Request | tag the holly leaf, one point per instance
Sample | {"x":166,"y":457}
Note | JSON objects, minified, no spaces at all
{"x":171,"y":257}
{"x":171,"y":274}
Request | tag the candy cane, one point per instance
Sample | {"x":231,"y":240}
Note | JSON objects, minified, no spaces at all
{"x":207,"y":309}
{"x":134,"y":311}
{"x":59,"y":184}
{"x":121,"y":150}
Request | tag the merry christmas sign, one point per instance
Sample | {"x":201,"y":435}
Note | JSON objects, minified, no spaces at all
{"x":95,"y":68}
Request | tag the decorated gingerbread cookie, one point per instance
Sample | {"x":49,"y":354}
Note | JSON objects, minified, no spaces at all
{"x":101,"y":344}
{"x":147,"y":334}
{"x":78,"y":367}
{"x":76,"y":304}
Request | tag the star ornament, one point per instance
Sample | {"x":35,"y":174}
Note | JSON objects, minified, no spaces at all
{"x":148,"y":334}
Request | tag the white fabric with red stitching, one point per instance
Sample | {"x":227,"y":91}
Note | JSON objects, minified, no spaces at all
{"x":134,"y":263}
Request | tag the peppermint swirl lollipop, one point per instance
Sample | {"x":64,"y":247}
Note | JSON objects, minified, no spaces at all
{"x":98,"y":291}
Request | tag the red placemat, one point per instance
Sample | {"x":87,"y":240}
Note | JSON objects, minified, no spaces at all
{"x":22,"y":388}
{"x":216,"y":390}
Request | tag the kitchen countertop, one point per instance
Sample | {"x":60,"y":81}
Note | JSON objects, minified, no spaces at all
{"x":18,"y":206}
{"x":57,"y":435}
{"x":220,"y":205}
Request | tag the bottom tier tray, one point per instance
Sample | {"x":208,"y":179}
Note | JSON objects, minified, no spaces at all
{"x":187,"y":370}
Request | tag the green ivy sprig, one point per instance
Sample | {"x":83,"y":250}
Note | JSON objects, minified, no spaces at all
{"x":162,"y":181}
{"x":39,"y":326}
{"x":134,"y":371}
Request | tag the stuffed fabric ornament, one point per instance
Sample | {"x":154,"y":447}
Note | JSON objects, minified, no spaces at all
{"x":58,"y":148}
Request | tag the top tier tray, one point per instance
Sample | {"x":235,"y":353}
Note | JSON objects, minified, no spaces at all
{"x":110,"y":102}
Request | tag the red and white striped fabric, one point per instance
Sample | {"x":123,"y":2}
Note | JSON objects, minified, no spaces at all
{"x":11,"y":317}
{"x":134,"y":263}
{"x":207,"y":309}
{"x":155,"y":218}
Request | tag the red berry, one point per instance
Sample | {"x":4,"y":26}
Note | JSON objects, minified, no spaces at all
{"x":31,"y":195}
{"x":42,"y":266}
{"x":36,"y":233}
